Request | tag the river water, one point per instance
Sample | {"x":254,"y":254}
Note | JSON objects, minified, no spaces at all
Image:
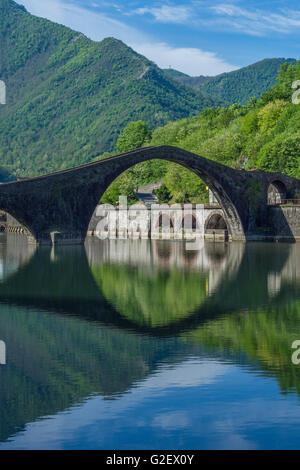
{"x":149,"y":345}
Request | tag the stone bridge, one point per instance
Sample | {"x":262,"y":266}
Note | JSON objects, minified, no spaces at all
{"x":59,"y":206}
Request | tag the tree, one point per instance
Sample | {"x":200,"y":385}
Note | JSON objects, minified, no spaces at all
{"x":269,"y":115}
{"x":163,"y":194}
{"x":135,"y":135}
{"x":184,"y":185}
{"x":122,"y":186}
{"x":282,"y":154}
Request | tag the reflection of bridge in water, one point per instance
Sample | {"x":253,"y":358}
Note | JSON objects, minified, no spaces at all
{"x":218,"y":261}
{"x":92,"y":283}
{"x":67,"y":303}
{"x":13,"y":254}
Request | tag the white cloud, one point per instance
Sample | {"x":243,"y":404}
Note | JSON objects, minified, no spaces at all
{"x":51,"y":431}
{"x":191,"y":61}
{"x":167,"y":14}
{"x":256,"y":22}
{"x":172,"y":421}
{"x":97,"y":26}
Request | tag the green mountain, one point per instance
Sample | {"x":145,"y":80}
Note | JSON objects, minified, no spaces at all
{"x":237,"y":86}
{"x":68,"y":97}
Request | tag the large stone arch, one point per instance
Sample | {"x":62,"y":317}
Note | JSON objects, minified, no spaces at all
{"x":64,"y":201}
{"x":219,"y":178}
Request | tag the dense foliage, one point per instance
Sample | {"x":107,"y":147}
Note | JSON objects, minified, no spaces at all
{"x":237,"y":86}
{"x":68,"y":96}
{"x":163,"y":194}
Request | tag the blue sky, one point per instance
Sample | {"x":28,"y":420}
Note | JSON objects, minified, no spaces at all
{"x":197,"y":37}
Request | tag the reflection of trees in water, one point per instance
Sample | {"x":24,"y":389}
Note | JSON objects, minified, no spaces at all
{"x":159,"y":299}
{"x":55,"y":361}
{"x":165,"y":294}
{"x":263,"y":337}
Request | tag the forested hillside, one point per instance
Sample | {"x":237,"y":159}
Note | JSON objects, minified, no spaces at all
{"x":263,"y":134}
{"x":68,"y":97}
{"x":237,"y":86}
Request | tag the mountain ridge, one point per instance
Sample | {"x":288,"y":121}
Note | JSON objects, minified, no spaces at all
{"x":68,"y":97}
{"x":237,"y":86}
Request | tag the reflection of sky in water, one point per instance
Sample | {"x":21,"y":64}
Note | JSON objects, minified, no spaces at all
{"x":195,"y":404}
{"x":90,"y":364}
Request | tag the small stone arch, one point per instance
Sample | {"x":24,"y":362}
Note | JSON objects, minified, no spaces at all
{"x":216,"y":227}
{"x":13,"y":224}
{"x":189,"y":221}
{"x":277,"y":193}
{"x":3,"y":221}
{"x":164,"y":220}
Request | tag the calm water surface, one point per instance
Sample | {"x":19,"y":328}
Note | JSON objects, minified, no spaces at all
{"x":145,"y":345}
